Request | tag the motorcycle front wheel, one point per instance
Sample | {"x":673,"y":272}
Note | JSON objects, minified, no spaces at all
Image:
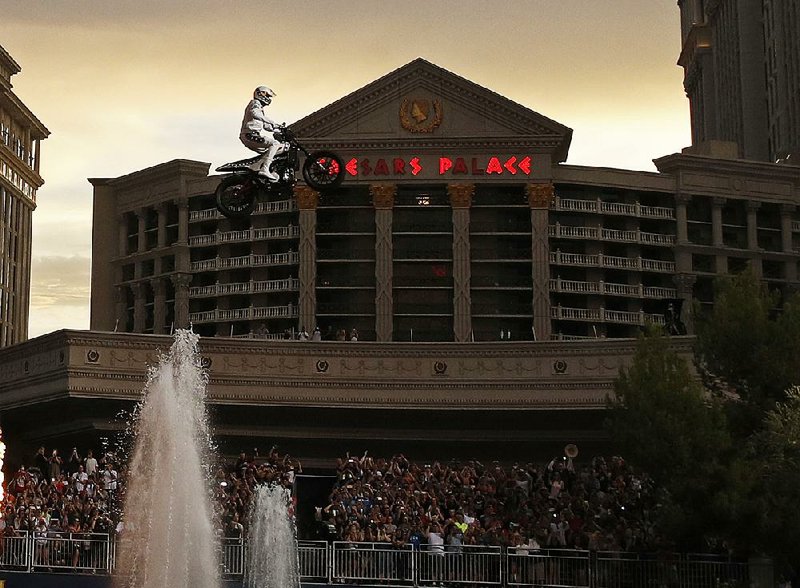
{"x":323,"y":170}
{"x":236,"y":196}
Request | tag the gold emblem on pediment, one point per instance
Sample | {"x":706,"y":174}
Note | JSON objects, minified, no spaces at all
{"x":420,"y":115}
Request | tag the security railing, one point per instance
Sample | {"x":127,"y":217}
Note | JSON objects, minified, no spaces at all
{"x":408,"y":565}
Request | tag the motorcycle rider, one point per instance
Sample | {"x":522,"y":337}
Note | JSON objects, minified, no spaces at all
{"x":258,"y":131}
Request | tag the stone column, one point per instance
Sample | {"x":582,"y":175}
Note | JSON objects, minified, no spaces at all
{"x":716,"y":222}
{"x":159,"y":304}
{"x":307,"y":201}
{"x":182,"y":258}
{"x":122,"y":234}
{"x":540,"y":198}
{"x":162,"y":224}
{"x":752,"y":236}
{"x":684,"y":285}
{"x":683,"y":259}
{"x":681,"y":219}
{"x":461,"y":201}
{"x":120,"y":308}
{"x":752,"y":225}
{"x":141,"y":216}
{"x":383,"y":201}
{"x":181,"y":283}
{"x":139,"y":294}
{"x":787,"y":213}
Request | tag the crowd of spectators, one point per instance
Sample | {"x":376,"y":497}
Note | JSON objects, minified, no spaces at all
{"x":602,"y":505}
{"x":55,"y":498}
{"x":599,"y":505}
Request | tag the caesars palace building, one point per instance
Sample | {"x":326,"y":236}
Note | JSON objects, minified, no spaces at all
{"x":495,"y":289}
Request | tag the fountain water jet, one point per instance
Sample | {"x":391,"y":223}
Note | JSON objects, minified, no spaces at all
{"x":272,"y":542}
{"x":169,"y":539}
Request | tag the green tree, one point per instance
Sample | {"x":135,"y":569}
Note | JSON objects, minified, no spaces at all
{"x":776,"y":452}
{"x":748,"y":347}
{"x":665,"y":423}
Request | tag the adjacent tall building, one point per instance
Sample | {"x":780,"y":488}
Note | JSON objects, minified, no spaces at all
{"x":20,"y":136}
{"x":741,"y":61}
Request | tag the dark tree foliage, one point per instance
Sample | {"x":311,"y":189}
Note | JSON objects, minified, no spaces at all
{"x":748,"y":346}
{"x":665,"y":423}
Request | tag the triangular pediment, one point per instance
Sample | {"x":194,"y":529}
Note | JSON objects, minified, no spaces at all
{"x":421,"y":101}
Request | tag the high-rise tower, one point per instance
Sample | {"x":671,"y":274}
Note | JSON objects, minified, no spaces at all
{"x":20,"y":136}
{"x":740,"y":60}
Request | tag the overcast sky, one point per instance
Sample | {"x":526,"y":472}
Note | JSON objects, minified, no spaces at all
{"x":126,"y":84}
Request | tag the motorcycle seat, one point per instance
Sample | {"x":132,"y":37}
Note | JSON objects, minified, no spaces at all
{"x":239,"y":165}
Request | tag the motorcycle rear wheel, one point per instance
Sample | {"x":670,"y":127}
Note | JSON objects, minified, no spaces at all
{"x":236,"y":196}
{"x":323,"y":170}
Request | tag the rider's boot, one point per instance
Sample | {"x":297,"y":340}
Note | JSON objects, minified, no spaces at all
{"x":267,"y":161}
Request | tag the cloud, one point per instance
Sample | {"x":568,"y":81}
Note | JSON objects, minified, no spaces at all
{"x":59,"y":281}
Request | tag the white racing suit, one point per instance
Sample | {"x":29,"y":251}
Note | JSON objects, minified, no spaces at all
{"x":257,"y":134}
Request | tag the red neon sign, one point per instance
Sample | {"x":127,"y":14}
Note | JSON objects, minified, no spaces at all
{"x":446,"y":166}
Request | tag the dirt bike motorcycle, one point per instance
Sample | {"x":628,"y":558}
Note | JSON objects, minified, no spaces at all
{"x":238,"y":193}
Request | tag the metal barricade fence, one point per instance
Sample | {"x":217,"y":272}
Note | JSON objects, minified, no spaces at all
{"x":549,"y":567}
{"x":714,"y":570}
{"x":464,"y":564}
{"x":620,"y":569}
{"x":15,"y":551}
{"x":313,"y":558}
{"x":77,"y":552}
{"x":363,"y":563}
{"x":233,"y":554}
{"x":388,"y":565}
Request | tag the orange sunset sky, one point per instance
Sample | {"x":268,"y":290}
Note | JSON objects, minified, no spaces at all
{"x":126,"y":84}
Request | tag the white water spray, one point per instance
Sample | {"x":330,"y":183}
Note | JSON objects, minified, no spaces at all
{"x":169,"y":539}
{"x":272,"y":542}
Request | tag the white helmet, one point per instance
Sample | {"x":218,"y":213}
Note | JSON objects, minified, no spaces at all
{"x":264,"y":95}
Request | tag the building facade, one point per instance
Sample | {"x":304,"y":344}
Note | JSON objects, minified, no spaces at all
{"x":459,"y":220}
{"x":741,"y":61}
{"x":20,"y":136}
{"x":317,"y":401}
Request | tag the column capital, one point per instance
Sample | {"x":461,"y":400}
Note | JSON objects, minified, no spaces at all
{"x":307,"y":198}
{"x":540,"y":195}
{"x":684,"y":283}
{"x":461,"y":195}
{"x":158,"y":284}
{"x":753,"y":205}
{"x":181,"y":280}
{"x":681,"y":198}
{"x":181,"y":201}
{"x":383,"y":195}
{"x":787,"y":208}
{"x":121,"y":292}
{"x":718,"y":201}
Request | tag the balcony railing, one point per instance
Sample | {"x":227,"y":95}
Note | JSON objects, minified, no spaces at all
{"x":244,"y":314}
{"x":602,"y":315}
{"x":611,"y":289}
{"x":260,"y":208}
{"x":610,"y":261}
{"x":288,"y":232}
{"x":615,"y":208}
{"x":251,"y":287}
{"x":252,"y":260}
{"x":596,"y":233}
